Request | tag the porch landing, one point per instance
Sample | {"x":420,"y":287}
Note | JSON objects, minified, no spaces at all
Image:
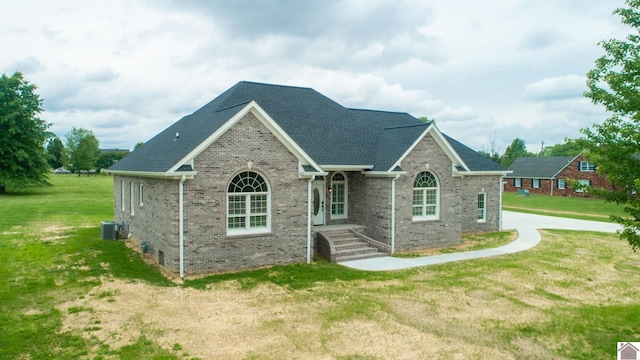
{"x":356,"y":227}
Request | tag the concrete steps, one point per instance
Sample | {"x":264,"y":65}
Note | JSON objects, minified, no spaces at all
{"x":349,"y":246}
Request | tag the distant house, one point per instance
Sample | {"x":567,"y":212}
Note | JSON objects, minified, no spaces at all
{"x":253,"y":177}
{"x":550,"y":175}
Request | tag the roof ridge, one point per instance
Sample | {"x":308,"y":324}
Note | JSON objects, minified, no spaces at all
{"x":406,"y":126}
{"x":276,"y":85}
{"x":232,"y":106}
{"x":379,"y":111}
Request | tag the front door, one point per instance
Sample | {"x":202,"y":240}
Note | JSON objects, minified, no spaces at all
{"x":318,"y":203}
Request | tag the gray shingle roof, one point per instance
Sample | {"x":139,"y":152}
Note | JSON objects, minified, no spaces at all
{"x":328,"y":132}
{"x":539,"y":167}
{"x":472,"y":158}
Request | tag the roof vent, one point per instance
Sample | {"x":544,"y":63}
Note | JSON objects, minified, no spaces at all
{"x":177,"y":136}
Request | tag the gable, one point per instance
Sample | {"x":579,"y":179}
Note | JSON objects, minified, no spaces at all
{"x":432,"y":131}
{"x":254,"y":109}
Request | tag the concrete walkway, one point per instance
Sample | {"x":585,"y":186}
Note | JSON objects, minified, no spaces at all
{"x":528,"y":237}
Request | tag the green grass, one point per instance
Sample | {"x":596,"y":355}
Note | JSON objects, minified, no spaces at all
{"x":562,"y":206}
{"x":51,"y":252}
{"x":573,"y":296}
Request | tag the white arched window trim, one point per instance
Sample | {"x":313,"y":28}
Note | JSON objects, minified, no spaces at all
{"x":339,"y":196}
{"x":248,"y":204}
{"x":426,"y":197}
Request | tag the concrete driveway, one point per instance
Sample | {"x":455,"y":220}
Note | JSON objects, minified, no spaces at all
{"x":528,"y":237}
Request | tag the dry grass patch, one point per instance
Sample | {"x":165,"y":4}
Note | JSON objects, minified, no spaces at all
{"x":496,"y":308}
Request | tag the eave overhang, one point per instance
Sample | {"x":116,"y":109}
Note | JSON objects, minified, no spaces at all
{"x":158,"y":175}
{"x":481,"y":173}
{"x":388,"y":174}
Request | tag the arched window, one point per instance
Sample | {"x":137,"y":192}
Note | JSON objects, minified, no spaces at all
{"x":248,"y":204}
{"x":426,"y":197}
{"x":339,"y":196}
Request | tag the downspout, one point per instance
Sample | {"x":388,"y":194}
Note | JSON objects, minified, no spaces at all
{"x":500,"y":201}
{"x":181,"y":210}
{"x":393,"y":213}
{"x":309,"y":217}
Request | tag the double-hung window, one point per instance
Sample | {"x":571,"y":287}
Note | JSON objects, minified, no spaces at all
{"x":132,"y":200}
{"x":482,"y":207}
{"x":517,"y":182}
{"x":535,"y":183}
{"x":248,"y":204}
{"x":562,"y":184}
{"x":587,"y":166}
{"x":426,"y":197}
{"x":583,"y":182}
{"x":122,"y":195}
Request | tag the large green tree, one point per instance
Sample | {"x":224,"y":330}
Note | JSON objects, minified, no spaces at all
{"x":55,"y":152}
{"x":517,"y":149}
{"x":108,"y":158}
{"x":22,"y":134}
{"x":614,"y":144}
{"x":82,"y":149}
{"x":569,"y":148}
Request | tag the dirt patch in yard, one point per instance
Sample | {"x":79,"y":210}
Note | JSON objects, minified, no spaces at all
{"x":449,"y":311}
{"x":272,"y":322}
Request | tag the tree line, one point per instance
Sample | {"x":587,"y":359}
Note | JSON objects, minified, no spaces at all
{"x":518,"y":148}
{"x":81,"y":152}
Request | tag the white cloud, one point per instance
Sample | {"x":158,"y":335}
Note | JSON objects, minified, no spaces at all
{"x":563,"y":87}
{"x":126,"y":70}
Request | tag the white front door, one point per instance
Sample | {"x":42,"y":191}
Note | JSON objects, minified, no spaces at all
{"x":318,"y":203}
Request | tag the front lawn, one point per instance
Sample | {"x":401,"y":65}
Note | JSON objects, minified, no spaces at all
{"x":562,"y":206}
{"x":66,"y":294}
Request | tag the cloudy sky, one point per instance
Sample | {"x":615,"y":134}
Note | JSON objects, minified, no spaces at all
{"x":486,"y":71}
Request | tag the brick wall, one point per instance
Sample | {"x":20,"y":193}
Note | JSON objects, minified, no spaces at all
{"x":378,"y":209}
{"x":208,"y":248}
{"x":445,"y":231}
{"x":156,"y":220}
{"x":470,"y":186}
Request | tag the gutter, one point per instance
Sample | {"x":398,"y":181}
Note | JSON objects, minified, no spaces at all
{"x":500,"y":200}
{"x":181,"y":210}
{"x":393,"y":213}
{"x":309,"y":217}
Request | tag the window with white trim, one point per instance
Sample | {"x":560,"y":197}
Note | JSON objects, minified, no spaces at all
{"x":583,"y":183}
{"x":248,"y":204}
{"x":122,"y":195}
{"x":141,"y":194}
{"x":535,"y":183}
{"x":131,"y":198}
{"x":338,"y":196}
{"x":482,"y":207}
{"x":562,"y":184}
{"x":587,"y":166}
{"x":426,"y":197}
{"x":517,"y":182}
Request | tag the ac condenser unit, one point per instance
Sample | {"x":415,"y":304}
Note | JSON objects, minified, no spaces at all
{"x":109,"y":230}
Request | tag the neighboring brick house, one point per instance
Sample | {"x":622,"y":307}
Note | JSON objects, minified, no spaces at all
{"x":249,"y":179}
{"x":550,"y":175}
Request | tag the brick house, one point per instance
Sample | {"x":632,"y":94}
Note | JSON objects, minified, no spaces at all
{"x":549,"y":175}
{"x":254,"y":176}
